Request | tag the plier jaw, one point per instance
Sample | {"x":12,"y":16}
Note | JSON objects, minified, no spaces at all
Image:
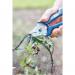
{"x":39,"y":30}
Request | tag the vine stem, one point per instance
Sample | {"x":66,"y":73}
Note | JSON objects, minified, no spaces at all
{"x":52,"y":60}
{"x":51,"y":53}
{"x":21,"y":42}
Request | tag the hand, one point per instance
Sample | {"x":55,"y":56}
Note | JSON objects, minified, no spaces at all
{"x":57,"y":32}
{"x":47,"y":14}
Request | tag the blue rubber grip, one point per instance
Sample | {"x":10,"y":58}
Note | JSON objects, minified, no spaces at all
{"x":51,"y":28}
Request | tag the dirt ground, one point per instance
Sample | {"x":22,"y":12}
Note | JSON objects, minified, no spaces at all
{"x":23,"y":22}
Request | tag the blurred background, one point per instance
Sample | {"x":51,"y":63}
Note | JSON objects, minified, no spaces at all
{"x":25,"y":15}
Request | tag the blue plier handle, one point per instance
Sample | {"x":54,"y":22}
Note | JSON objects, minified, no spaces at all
{"x":51,"y":19}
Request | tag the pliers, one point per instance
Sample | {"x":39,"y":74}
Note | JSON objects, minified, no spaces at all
{"x":44,"y":28}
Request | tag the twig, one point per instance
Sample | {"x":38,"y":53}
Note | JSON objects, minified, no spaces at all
{"x":21,"y":42}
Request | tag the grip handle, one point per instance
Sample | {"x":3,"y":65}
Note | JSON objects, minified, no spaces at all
{"x":52,"y":18}
{"x":51,"y":28}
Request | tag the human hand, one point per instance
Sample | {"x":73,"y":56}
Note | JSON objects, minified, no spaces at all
{"x":47,"y":15}
{"x":57,"y":31}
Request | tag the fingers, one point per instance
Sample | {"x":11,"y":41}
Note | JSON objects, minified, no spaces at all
{"x":57,"y":32}
{"x":46,"y":15}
